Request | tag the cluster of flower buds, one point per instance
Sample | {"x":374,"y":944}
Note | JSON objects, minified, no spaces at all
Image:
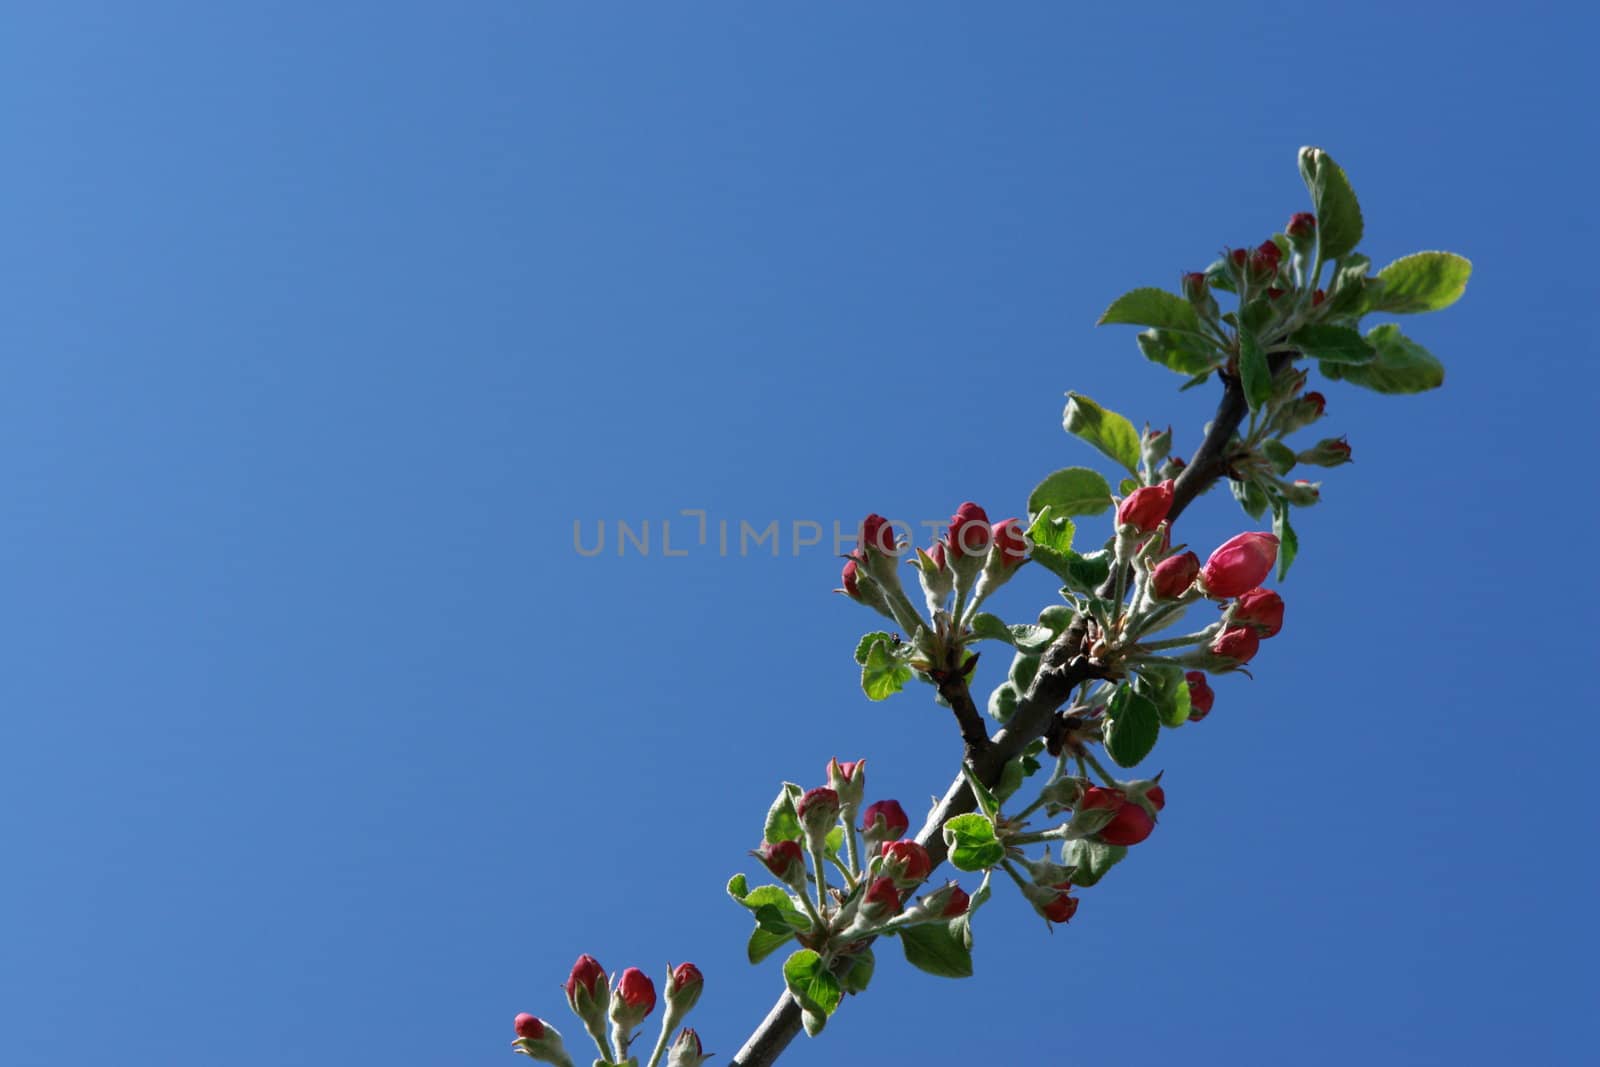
{"x":1133,"y":808}
{"x":626,"y":1003}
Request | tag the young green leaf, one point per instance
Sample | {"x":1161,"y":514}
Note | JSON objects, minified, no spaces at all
{"x":885,"y":671}
{"x":1071,"y":491}
{"x":1111,"y":433}
{"x":1332,"y":344}
{"x":811,"y":984}
{"x":1180,"y":352}
{"x":972,"y":842}
{"x":1052,"y":531}
{"x":764,"y":943}
{"x":1166,"y":688}
{"x":1253,"y":372}
{"x":1288,"y":540}
{"x":1092,"y":859}
{"x":1280,"y":455}
{"x":1339,"y":223}
{"x":1132,"y":727}
{"x":1152,"y":307}
{"x":782,"y":822}
{"x":936,"y":948}
{"x":858,"y":971}
{"x":1401,"y":365}
{"x":1425,"y":281}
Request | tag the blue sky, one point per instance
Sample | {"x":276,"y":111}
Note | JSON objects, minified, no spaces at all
{"x":326,"y":322}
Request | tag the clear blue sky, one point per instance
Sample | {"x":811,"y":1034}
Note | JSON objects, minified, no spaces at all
{"x":325,"y":322}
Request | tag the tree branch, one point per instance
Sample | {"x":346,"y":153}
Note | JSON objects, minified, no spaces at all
{"x":1062,"y":668}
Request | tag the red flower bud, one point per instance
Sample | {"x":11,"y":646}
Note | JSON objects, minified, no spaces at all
{"x":1318,"y":399}
{"x":1262,"y":609}
{"x":936,"y":553}
{"x":957,"y":904}
{"x":818,"y":800}
{"x":684,"y":985}
{"x":882,"y":899}
{"x":1010,"y":542}
{"x":906,"y":861}
{"x":784,"y":859}
{"x":529,"y":1026}
{"x":851,"y":587}
{"x":1061,"y":909}
{"x":1264,"y":260}
{"x":876,"y":535}
{"x":1173,"y":576}
{"x":636,"y":993}
{"x":1200,"y":695}
{"x":687,"y":1050}
{"x":1239,"y":564}
{"x":1236,"y":642}
{"x":1328,"y":452}
{"x":848,"y":779}
{"x":1194,"y":285}
{"x":1130,"y":825}
{"x":969,"y":533}
{"x":1318,"y":297}
{"x":884,"y":820}
{"x":1146,"y":508}
{"x":1273,"y":294}
{"x":1301,"y":225}
{"x":587,"y":975}
{"x":1240,"y":257}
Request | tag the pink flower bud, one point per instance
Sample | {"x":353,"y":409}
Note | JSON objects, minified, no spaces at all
{"x":906,"y":861}
{"x":1146,"y":508}
{"x":1131,"y":824}
{"x":848,"y":579}
{"x":1240,"y":564}
{"x":1061,"y":909}
{"x":587,"y":990}
{"x":884,"y":820}
{"x":636,"y":990}
{"x":1262,"y":609}
{"x":684,"y":985}
{"x":1301,"y":493}
{"x":848,"y":779}
{"x":882,"y":899}
{"x":1264,"y":260}
{"x":1301,"y":224}
{"x":1010,"y":543}
{"x":529,"y":1026}
{"x":936,"y":553}
{"x":1173,"y":576}
{"x":876,"y":535}
{"x":1236,"y":642}
{"x":686,"y":1050}
{"x":969,"y":533}
{"x":958,"y":903}
{"x":1200,"y":695}
{"x":784,"y":859}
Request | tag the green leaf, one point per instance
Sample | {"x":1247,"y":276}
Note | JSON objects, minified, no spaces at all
{"x":782,"y":822}
{"x":1280,"y":455}
{"x":1071,"y":491}
{"x":1132,"y":727}
{"x":764,"y":943}
{"x":1052,"y":532}
{"x":1082,"y":573}
{"x":811,"y":984}
{"x":1021,"y":636}
{"x":1352,"y":291}
{"x":1332,"y":344}
{"x":1401,"y":366}
{"x":1250,"y":497}
{"x":1152,"y":307}
{"x":1092,"y":859}
{"x":1424,"y":281}
{"x":858,"y":971}
{"x":987,"y":802}
{"x":1003,"y":703}
{"x":1253,"y":372}
{"x":1180,"y":352}
{"x":833,"y":842}
{"x":1111,"y":433}
{"x":937,"y":949}
{"x":1012,"y":775}
{"x":864,"y":645}
{"x":972,"y":842}
{"x":885,"y":671}
{"x":1339,"y":223}
{"x":1288,"y":540}
{"x":1167,"y":689}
